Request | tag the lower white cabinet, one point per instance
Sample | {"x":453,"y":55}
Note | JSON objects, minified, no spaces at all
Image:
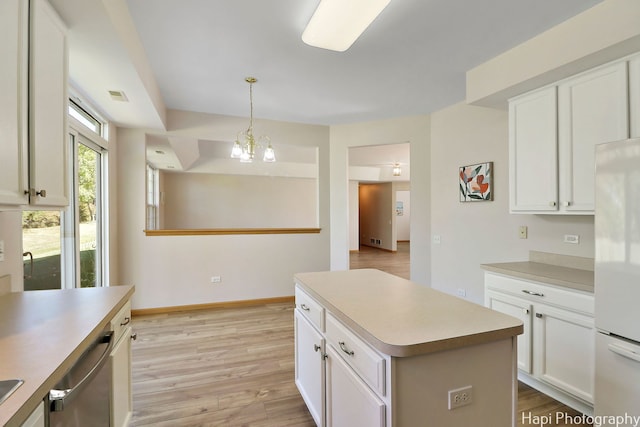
{"x":121,"y":396}
{"x":556,"y":352}
{"x":310,"y":366}
{"x":349,"y":401}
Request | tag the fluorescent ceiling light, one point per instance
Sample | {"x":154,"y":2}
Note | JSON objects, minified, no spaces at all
{"x":336,"y":24}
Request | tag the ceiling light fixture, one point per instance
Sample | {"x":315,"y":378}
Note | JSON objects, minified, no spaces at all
{"x":245,"y":146}
{"x":336,"y":24}
{"x":397,"y":170}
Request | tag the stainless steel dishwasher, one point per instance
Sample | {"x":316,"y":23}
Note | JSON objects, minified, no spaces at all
{"x":83,"y":397}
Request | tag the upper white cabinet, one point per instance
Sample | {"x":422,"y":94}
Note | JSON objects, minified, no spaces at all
{"x":552,"y":135}
{"x":533,"y":147}
{"x":592,"y":109}
{"x":13,"y":103}
{"x":34,"y":113}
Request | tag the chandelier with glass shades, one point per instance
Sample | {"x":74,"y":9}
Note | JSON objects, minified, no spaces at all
{"x":245,"y":146}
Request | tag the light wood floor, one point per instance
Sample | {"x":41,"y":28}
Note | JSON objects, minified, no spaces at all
{"x":234,"y":367}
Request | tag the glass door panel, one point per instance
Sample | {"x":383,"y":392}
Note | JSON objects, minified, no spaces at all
{"x":88,"y":214}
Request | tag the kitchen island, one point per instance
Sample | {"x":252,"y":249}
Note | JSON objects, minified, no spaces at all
{"x":42,"y":334}
{"x":378,"y":350}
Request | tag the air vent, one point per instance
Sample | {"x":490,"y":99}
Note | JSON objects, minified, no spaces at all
{"x":118,"y":95}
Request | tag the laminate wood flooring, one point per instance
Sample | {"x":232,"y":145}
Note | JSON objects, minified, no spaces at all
{"x":392,"y":262}
{"x":235,"y":367}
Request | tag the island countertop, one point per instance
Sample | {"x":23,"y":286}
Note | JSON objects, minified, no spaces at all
{"x":401,"y":318}
{"x":42,"y":334}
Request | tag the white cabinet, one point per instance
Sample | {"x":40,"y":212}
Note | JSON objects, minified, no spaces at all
{"x":552,"y":134}
{"x":34,"y":110}
{"x":13,"y":103}
{"x":556,"y":352}
{"x":533,"y":146}
{"x":310,"y":366}
{"x":120,"y":359}
{"x":335,"y":370}
{"x":349,"y":401}
{"x":592,"y":109}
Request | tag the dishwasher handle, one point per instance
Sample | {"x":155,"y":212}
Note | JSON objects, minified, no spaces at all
{"x":58,"y":398}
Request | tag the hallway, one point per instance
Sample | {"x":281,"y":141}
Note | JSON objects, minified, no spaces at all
{"x":392,"y":262}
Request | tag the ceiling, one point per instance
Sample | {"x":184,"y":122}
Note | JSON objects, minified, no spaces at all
{"x":194,"y":55}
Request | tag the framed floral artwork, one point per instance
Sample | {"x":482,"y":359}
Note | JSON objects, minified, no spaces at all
{"x":476,"y":182}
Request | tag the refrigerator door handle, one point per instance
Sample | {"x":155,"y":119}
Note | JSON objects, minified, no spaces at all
{"x":624,"y":352}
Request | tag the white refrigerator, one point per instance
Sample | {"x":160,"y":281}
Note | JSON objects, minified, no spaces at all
{"x":617,"y":282}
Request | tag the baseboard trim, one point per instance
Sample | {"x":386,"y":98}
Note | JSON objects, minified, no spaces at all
{"x":211,"y":305}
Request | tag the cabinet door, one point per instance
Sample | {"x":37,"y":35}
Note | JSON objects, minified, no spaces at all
{"x":533,"y":165}
{"x":519,"y":309}
{"x":310,"y":366}
{"x":48,"y":145}
{"x":350,"y":402}
{"x":634,"y":96}
{"x":564,"y":346}
{"x":121,"y":403}
{"x":592,"y":110}
{"x":13,"y":104}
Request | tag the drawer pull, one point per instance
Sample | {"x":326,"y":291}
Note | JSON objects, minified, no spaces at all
{"x":344,"y":348}
{"x":539,"y":315}
{"x":127,"y":320}
{"x":304,"y":307}
{"x":535,"y":294}
{"x":316,"y":347}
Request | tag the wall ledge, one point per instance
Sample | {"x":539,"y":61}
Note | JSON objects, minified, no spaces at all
{"x":227,"y":231}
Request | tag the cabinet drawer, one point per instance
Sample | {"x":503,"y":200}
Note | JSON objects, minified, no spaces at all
{"x":570,"y":299}
{"x":365,"y":361}
{"x":121,"y":321}
{"x":311,"y":309}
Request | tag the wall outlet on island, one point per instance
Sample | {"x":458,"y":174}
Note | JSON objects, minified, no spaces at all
{"x":460,"y":397}
{"x":572,"y":238}
{"x":461,"y":292}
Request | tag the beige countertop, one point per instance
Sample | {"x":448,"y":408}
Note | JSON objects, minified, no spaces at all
{"x":401,"y":318}
{"x":42,"y":333}
{"x":573,"y":278}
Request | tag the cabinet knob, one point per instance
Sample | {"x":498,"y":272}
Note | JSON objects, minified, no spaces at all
{"x":525,"y":310}
{"x":316,"y":348}
{"x":552,"y":204}
{"x":134,"y":336}
{"x":42,"y":193}
{"x":567,"y":203}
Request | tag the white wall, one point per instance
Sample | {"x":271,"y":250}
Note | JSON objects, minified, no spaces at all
{"x":416,"y":131}
{"x":206,"y":200}
{"x":176,"y":270}
{"x":484,"y":232}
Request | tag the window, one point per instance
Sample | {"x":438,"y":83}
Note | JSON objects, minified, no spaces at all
{"x":153,"y":196}
{"x":68,"y":248}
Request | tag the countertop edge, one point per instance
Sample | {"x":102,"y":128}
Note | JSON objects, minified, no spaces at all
{"x":32,"y":402}
{"x":414,"y":349}
{"x":508,"y":270}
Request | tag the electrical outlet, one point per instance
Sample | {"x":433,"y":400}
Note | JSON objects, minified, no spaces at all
{"x":522,"y":232}
{"x":572,"y":238}
{"x":216,"y":279}
{"x":437,"y":239}
{"x":460,"y":397}
{"x":461,"y":292}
